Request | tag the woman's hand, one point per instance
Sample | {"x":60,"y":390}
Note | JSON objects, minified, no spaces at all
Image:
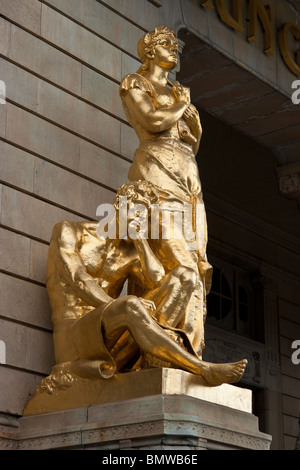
{"x":191,"y":117}
{"x":181,"y":93}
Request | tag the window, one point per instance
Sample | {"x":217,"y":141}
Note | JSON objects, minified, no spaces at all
{"x":230,"y":302}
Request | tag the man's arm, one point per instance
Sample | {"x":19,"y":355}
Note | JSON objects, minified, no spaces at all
{"x":64,"y":247}
{"x":152,"y":268}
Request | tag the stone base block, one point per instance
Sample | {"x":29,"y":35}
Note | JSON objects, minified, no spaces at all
{"x":177,"y":413}
{"x":146,"y":382}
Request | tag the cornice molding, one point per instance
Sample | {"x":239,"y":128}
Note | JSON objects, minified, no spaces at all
{"x":289,"y":181}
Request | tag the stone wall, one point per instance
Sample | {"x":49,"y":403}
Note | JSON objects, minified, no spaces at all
{"x":65,"y":149}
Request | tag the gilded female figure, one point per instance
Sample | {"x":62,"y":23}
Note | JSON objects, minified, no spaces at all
{"x":169,"y":130}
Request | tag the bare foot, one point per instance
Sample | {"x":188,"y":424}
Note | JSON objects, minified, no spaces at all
{"x":217,"y":374}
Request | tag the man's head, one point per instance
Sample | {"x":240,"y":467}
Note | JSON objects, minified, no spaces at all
{"x":136,"y":199}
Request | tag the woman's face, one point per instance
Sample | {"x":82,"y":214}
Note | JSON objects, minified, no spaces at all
{"x":166,"y":53}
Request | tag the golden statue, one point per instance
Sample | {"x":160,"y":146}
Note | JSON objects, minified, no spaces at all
{"x":160,"y":322}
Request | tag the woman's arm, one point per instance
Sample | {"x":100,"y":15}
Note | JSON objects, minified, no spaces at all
{"x":191,"y":117}
{"x":155,"y":119}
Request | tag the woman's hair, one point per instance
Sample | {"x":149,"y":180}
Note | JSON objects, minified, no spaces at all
{"x":147,"y":43}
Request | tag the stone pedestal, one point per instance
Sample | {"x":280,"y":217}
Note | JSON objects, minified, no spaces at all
{"x":144,"y":383}
{"x":177,"y":413}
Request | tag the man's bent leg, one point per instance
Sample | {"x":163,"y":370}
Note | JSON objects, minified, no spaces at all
{"x":172,"y":296}
{"x":172,"y":253}
{"x":170,"y":299}
{"x":128,"y":312}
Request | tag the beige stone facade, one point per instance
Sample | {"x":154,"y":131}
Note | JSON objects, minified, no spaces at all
{"x":65,"y":147}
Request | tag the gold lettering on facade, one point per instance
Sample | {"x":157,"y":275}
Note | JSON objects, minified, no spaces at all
{"x":208,"y":4}
{"x":258,"y":12}
{"x":235,"y":21}
{"x":265,"y":13}
{"x":292,"y":61}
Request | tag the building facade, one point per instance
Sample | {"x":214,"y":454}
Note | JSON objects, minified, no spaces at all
{"x":66,"y":147}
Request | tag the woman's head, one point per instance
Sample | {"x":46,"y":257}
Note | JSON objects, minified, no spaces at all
{"x":161,"y":36}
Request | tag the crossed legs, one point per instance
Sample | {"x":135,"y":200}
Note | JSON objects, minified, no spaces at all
{"x":128,"y":313}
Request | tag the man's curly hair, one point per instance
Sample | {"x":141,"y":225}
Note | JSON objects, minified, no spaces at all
{"x":137,"y":192}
